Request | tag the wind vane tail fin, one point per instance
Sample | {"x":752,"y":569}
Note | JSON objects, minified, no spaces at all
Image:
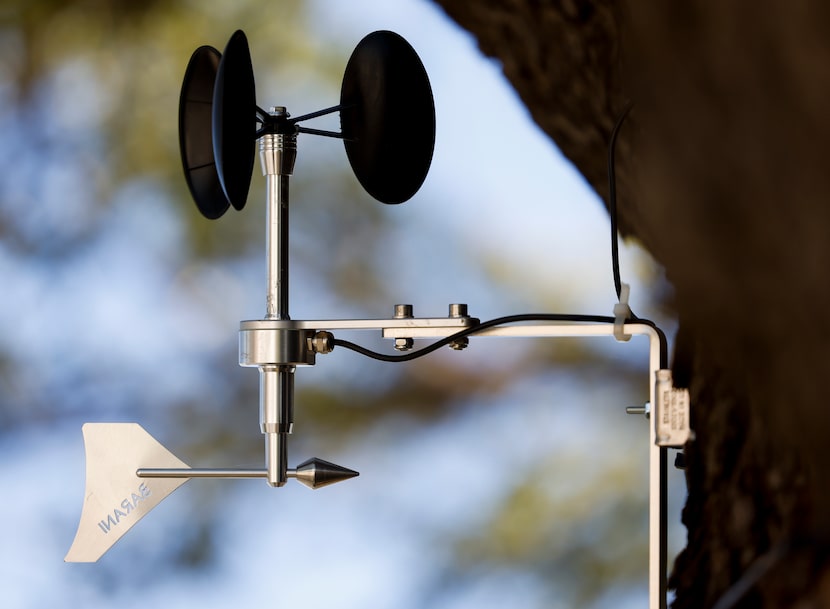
{"x":115,"y":498}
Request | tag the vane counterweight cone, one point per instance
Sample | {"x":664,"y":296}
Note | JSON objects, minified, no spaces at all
{"x":388,"y":119}
{"x":234,"y":120}
{"x":316,"y":473}
{"x":195,"y":138}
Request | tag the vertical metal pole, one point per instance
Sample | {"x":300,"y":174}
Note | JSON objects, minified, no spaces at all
{"x":657,"y":455}
{"x":276,"y":407}
{"x":276,"y":390}
{"x":276,"y":218}
{"x":657,"y":495}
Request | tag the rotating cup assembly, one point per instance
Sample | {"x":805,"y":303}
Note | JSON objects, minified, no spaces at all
{"x":387,"y":125}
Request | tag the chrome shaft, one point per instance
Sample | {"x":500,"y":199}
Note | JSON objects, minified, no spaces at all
{"x":277,"y":153}
{"x":277,"y":241}
{"x":276,"y":415}
{"x":185,"y":472}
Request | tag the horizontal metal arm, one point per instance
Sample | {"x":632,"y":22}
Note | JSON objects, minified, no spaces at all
{"x":185,"y":472}
{"x":314,"y":473}
{"x":452,"y":324}
{"x":440,"y":327}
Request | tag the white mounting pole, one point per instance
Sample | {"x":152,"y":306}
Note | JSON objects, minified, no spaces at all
{"x":657,"y":455}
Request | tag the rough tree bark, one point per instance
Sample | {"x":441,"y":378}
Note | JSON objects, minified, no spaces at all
{"x":724,"y":177}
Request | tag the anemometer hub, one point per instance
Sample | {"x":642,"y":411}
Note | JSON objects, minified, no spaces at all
{"x":278,"y":153}
{"x":276,"y":121}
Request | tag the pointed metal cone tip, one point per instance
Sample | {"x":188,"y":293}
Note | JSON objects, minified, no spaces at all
{"x":316,"y":473}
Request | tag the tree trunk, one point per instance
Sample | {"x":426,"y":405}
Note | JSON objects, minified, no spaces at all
{"x":723,"y":176}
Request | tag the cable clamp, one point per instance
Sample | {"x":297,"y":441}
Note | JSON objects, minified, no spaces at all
{"x":622,"y":312}
{"x":671,"y":423}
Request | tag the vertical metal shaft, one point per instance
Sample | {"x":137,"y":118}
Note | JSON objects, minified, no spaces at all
{"x":276,"y":219}
{"x":276,"y":410}
{"x":277,"y":154}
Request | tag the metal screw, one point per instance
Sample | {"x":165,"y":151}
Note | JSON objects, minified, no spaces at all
{"x":646,"y":410}
{"x":403,"y":311}
{"x":459,"y":310}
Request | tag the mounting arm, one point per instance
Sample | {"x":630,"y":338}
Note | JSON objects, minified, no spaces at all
{"x":297,"y":342}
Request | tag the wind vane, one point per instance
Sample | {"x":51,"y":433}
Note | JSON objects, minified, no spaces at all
{"x":387,"y":119}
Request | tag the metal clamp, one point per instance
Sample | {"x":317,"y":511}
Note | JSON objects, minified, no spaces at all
{"x":622,"y":313}
{"x":270,"y":343}
{"x":671,"y":422}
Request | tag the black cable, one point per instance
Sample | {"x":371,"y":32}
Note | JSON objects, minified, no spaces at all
{"x":612,"y":200}
{"x":612,"y":211}
{"x":501,"y":321}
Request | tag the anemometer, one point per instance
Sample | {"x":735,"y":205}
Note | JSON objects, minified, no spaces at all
{"x":387,"y":120}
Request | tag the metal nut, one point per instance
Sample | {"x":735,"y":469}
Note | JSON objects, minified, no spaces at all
{"x":461,"y":343}
{"x":322,"y":342}
{"x":404,"y":344}
{"x":458,"y":310}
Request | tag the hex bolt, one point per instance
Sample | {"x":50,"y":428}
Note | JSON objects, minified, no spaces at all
{"x":403,"y":311}
{"x":459,"y":310}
